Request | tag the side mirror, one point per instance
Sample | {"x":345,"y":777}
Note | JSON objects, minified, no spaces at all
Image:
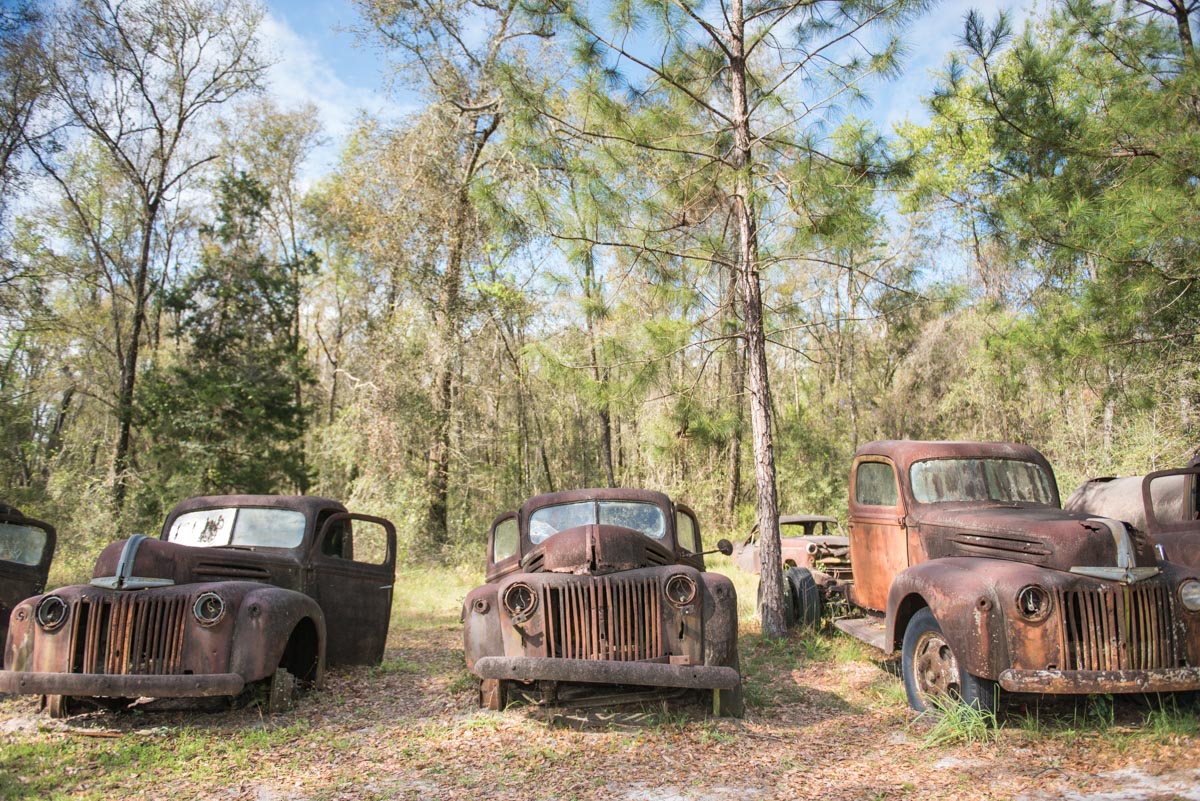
{"x":723,"y":546}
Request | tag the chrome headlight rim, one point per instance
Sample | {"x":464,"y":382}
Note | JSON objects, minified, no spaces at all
{"x":519,"y":601}
{"x":209,"y":609}
{"x":52,"y":612}
{"x":680,"y":589}
{"x":1189,"y":594}
{"x":1034,"y":603}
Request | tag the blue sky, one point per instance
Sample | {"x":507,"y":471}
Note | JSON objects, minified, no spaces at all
{"x":318,"y":60}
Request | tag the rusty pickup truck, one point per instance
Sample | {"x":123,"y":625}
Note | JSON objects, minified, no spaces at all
{"x":600,"y":596}
{"x":963,"y":559}
{"x":237,"y":590}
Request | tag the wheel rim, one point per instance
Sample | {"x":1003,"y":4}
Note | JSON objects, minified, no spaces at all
{"x":935,"y":668}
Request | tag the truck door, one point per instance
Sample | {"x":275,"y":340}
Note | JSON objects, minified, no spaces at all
{"x":353,"y":570}
{"x":878,"y":541}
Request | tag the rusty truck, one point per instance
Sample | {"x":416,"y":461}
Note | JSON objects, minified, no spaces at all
{"x":600,"y":596}
{"x":237,"y":591}
{"x":962,"y":558}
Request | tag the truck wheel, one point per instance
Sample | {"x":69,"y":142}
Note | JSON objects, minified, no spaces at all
{"x":932,"y":670}
{"x":493,"y":694}
{"x":282,"y":691}
{"x":58,"y":706}
{"x":806,"y":597}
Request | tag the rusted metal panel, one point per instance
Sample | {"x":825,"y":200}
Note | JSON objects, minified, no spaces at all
{"x":1101,"y":681}
{"x":648,"y":674}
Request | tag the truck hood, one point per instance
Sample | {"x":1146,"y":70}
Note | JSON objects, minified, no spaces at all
{"x":1039,"y":535}
{"x":596,"y":549}
{"x":168,"y":562}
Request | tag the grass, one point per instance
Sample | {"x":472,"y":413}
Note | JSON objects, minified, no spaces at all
{"x":957,"y":723}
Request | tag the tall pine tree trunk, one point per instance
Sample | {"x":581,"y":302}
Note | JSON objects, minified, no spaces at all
{"x":758,"y":384}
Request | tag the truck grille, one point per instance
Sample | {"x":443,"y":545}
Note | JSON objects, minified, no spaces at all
{"x":128,"y":634}
{"x":606,"y":618}
{"x":1116,"y":628}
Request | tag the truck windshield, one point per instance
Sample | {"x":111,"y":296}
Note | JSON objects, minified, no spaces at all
{"x":1008,"y":480}
{"x":248,"y":526}
{"x":644,"y":517}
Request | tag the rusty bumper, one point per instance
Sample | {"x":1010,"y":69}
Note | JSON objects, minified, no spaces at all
{"x":120,"y":686}
{"x":649,"y":674}
{"x":1101,"y":681}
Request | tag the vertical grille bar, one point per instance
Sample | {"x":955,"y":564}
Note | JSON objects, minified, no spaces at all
{"x":128,"y":634}
{"x":1116,"y":628}
{"x":607,"y":618}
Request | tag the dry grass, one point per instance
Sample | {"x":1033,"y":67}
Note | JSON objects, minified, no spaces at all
{"x":827,"y":719}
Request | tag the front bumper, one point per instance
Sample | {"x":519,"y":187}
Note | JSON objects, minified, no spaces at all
{"x":649,"y":674}
{"x":1079,"y":682}
{"x":120,"y":686}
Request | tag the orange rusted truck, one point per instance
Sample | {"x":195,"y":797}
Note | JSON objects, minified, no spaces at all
{"x":962,"y":559}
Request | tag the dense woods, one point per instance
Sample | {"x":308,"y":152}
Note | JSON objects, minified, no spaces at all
{"x":648,"y":243}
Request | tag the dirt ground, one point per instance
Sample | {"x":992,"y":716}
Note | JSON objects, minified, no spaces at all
{"x":824,"y":721}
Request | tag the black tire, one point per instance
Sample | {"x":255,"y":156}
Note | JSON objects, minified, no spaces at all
{"x":932,"y":669}
{"x":806,"y":598}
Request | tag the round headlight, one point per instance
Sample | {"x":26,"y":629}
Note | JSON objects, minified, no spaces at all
{"x":1033,"y":602}
{"x":1189,"y":595}
{"x":52,"y":612}
{"x":519,"y":601}
{"x":209,"y":609}
{"x":680,"y":589}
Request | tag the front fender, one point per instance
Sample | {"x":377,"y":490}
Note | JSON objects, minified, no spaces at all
{"x":720,"y":620}
{"x":265,"y":622}
{"x":964,"y":596}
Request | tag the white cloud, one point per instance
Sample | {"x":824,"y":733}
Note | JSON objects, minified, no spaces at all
{"x":301,"y":74}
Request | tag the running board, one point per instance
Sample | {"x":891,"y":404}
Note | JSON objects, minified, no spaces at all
{"x":870,"y":630}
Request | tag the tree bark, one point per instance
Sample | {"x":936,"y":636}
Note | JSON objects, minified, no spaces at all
{"x":758,"y":384}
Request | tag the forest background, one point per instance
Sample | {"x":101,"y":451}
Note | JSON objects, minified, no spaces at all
{"x":542,"y":277}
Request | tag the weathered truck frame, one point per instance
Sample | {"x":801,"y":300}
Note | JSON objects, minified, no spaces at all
{"x":268,"y":588}
{"x":597,"y":587}
{"x":26,"y":550}
{"x":1163,"y":506}
{"x":985,"y":581}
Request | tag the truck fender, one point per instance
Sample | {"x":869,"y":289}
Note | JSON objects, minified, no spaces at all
{"x":966,"y":605}
{"x":482,"y":635}
{"x":720,"y":620}
{"x":279,"y":627}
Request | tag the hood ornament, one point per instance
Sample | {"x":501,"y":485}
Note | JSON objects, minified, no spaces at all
{"x":1126,"y":570}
